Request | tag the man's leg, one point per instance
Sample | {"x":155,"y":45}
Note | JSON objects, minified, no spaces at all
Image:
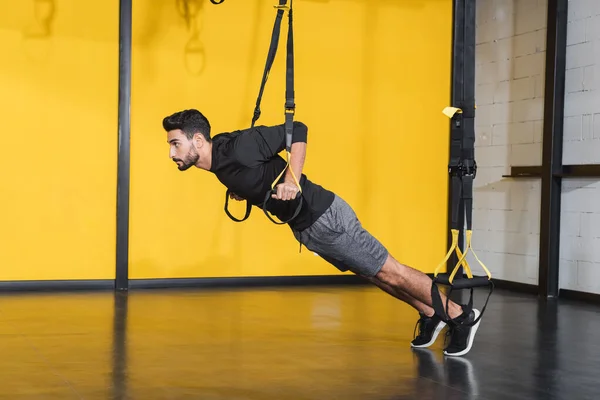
{"x":339,"y":237}
{"x":403,"y":296}
{"x":395,"y":292}
{"x":430,"y":325}
{"x":415,"y":283}
{"x":418,"y":285}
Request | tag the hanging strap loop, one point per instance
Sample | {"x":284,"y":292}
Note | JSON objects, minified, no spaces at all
{"x":462,"y":169}
{"x":290,"y":111}
{"x":290,"y":106}
{"x":270,"y":58}
{"x":248,"y":208}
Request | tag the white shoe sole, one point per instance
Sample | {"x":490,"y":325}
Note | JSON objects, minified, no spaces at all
{"x":436,"y":332}
{"x":469,"y":340}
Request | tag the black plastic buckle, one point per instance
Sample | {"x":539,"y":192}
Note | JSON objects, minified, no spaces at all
{"x":463,"y":168}
{"x":469,"y":168}
{"x":455,"y":170}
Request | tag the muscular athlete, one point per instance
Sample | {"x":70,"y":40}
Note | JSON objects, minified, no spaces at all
{"x":248,"y":161}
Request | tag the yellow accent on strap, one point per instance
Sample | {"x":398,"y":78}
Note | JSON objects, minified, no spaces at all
{"x":450,"y":111}
{"x":462,"y":258}
{"x":468,"y":236}
{"x":287,"y":165}
{"x":453,"y":247}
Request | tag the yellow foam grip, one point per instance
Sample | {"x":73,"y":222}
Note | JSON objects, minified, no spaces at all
{"x":289,"y":159}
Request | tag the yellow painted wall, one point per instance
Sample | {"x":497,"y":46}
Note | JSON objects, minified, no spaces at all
{"x":372,"y":77}
{"x":58,"y":80}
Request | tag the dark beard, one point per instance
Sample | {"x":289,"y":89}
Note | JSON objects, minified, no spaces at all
{"x":191,"y":158}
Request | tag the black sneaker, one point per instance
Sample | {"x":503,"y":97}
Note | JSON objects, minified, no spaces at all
{"x":429,"y":329}
{"x":461,"y":335}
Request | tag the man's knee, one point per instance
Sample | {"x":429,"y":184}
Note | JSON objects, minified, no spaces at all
{"x":391,"y":272}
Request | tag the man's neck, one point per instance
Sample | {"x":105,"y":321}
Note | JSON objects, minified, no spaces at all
{"x":205,"y":161}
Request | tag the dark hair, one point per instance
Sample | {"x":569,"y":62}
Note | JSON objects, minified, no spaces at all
{"x":190,"y":122}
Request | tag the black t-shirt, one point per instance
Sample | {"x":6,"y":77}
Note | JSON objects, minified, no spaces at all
{"x":248,"y":161}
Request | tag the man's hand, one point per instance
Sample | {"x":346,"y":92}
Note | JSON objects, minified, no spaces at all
{"x":235,"y":196}
{"x":285,"y":191}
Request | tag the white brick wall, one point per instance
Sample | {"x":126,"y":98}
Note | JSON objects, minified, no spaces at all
{"x":510,"y":58}
{"x":580,"y":218}
{"x":510,"y":87}
{"x":582,"y":101}
{"x":580,"y":235}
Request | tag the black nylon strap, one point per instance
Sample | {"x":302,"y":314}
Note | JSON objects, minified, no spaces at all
{"x":456,"y":196}
{"x":270,"y":58}
{"x":290,"y":106}
{"x":462,"y":169}
{"x":467,"y":197}
{"x":296,"y":212}
{"x":442,"y":312}
{"x":290,"y":109}
{"x":436,"y":302}
{"x":248,"y":209}
{"x":462,"y":166}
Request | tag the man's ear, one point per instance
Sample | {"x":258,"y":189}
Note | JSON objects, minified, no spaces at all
{"x":198,"y":140}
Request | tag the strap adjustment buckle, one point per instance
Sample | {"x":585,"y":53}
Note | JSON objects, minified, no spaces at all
{"x":282,"y":5}
{"x":463,"y":168}
{"x":469,"y":168}
{"x":257,"y":113}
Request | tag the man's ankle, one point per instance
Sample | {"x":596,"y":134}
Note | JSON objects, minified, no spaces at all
{"x":455,"y":312}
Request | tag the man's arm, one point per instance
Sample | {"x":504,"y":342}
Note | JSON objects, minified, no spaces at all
{"x":265,"y":142}
{"x":290,"y":187}
{"x":297,"y":155}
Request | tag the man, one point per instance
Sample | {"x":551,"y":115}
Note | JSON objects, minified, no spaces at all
{"x":247,"y":162}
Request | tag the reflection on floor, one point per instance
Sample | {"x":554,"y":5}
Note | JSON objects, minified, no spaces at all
{"x":293,"y":343}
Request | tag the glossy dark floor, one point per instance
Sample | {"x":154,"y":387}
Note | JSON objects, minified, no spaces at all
{"x":294,"y":343}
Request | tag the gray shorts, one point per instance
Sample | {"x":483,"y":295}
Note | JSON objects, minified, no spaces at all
{"x":338,"y":237}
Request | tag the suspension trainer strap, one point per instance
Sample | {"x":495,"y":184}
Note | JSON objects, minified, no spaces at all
{"x":462,"y":167}
{"x":290,"y":110}
{"x":248,"y":208}
{"x":269,"y":62}
{"x":270,"y":58}
{"x":290,"y":105}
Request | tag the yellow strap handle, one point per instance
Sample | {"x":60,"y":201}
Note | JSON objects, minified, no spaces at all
{"x":462,"y":257}
{"x":287,"y":165}
{"x":453,"y":247}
